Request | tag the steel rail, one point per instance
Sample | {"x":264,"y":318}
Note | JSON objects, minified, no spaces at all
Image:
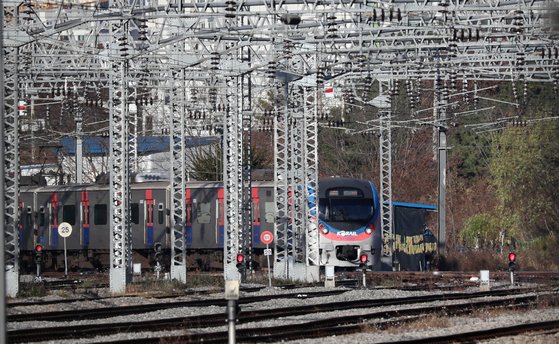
{"x":212,"y":320}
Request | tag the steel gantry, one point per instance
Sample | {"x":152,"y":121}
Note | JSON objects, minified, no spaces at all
{"x":131,"y":46}
{"x":119,"y":198}
{"x":178,"y":174}
{"x":10,"y":146}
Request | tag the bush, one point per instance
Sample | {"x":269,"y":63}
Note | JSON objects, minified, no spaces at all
{"x":472,"y":261}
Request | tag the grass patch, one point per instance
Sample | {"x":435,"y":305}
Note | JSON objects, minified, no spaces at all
{"x":32,"y":290}
{"x":153,"y":285}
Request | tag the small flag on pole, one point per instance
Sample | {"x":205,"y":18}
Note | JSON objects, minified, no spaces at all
{"x":329,"y":92}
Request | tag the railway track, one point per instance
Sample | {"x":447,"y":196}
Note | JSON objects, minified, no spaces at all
{"x":212,"y":320}
{"x":12,"y":305}
{"x":541,"y":327}
{"x":107,"y":312}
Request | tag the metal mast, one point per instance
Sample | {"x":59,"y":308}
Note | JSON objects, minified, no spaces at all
{"x":120,"y":256}
{"x":10,"y":57}
{"x":178,"y":175}
{"x":385,"y":144}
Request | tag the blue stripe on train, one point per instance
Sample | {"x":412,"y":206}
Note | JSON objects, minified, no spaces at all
{"x":86,"y":237}
{"x":149,"y":236}
{"x":221,"y":235}
{"x":188,"y":233}
{"x":54,"y":237}
{"x":256,"y":234}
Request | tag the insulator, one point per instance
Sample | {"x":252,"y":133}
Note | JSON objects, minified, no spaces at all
{"x":469,"y":34}
{"x":374,"y":15}
{"x":230,"y":9}
{"x":214,"y":60}
{"x":271,"y":71}
{"x":331,"y":32}
{"x":382,"y":15}
{"x":399,"y":15}
{"x":514,"y":93}
{"x":520,"y":58}
{"x":391,"y":14}
{"x":443,"y":8}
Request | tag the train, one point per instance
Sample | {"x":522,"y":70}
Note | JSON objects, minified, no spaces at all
{"x":349,"y":223}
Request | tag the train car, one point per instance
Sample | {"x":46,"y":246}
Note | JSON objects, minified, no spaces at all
{"x":86,"y":209}
{"x":349,"y":223}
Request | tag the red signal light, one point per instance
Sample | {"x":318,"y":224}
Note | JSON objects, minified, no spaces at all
{"x":240,"y":258}
{"x":39,"y":248}
{"x":363,"y":258}
{"x":512,"y":257}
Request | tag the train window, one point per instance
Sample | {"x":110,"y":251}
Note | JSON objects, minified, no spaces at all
{"x":100,"y":214}
{"x":323,"y":213}
{"x":160,"y":216}
{"x":42,"y":216}
{"x":52,"y":210}
{"x":135,"y":213}
{"x":345,"y":193}
{"x":29,"y":216}
{"x":203,"y":212}
{"x":69,"y":214}
{"x":354,"y":210}
{"x":269,"y":211}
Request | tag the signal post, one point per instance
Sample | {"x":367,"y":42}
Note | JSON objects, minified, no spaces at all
{"x":512,"y":266}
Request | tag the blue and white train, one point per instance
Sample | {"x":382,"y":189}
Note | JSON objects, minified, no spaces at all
{"x":348,"y":222}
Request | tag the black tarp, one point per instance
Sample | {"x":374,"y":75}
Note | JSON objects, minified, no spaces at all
{"x":414,"y":243}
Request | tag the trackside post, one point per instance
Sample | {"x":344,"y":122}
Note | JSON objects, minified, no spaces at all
{"x":232,"y":296}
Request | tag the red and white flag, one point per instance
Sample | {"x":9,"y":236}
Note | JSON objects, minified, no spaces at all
{"x":329,"y":91}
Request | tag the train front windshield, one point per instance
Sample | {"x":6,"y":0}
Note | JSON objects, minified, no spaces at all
{"x":346,"y":210}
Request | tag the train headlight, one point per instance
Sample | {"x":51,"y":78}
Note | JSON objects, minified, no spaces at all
{"x":369,"y":230}
{"x":323,"y":229}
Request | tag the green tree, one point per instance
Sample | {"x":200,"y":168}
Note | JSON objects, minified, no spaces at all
{"x":525,"y":174}
{"x":482,"y":232}
{"x":207,"y":163}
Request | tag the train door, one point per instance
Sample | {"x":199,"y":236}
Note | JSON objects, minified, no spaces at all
{"x":99,"y":229}
{"x":142,"y":231}
{"x":27,"y":223}
{"x":47,"y":220}
{"x":206,"y":209}
{"x":84,"y":220}
{"x":267,"y":209}
{"x":256,"y":218}
{"x":156,"y":212}
{"x":148,"y":221}
{"x":69,"y":211}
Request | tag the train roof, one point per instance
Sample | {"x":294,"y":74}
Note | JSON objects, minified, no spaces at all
{"x":326,"y":184}
{"x":413,"y":205}
{"x":133,"y":186}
